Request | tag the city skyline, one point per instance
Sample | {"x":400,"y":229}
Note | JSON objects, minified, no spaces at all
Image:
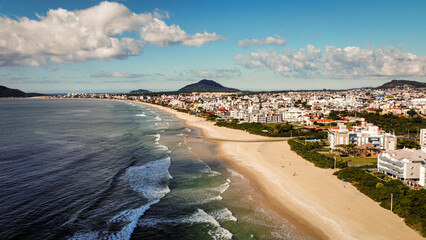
{"x":94,"y":46}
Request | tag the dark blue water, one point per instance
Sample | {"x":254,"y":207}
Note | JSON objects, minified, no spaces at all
{"x":87,"y":169}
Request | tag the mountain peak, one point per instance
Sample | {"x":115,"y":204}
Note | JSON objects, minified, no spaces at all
{"x":206,"y":85}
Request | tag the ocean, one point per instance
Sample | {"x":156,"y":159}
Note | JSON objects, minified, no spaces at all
{"x":92,"y":169}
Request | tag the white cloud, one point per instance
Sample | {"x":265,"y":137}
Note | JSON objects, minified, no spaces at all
{"x":349,"y":62}
{"x":117,"y":75}
{"x":90,"y":34}
{"x":159,"y":33}
{"x":268,"y":40}
{"x":226,"y":73}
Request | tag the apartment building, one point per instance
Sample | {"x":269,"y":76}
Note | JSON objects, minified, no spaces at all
{"x":404,"y":164}
{"x":423,"y":139}
{"x":361,"y":135}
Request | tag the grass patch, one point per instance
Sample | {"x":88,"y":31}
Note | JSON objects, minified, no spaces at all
{"x":359,"y":160}
{"x":352,"y":159}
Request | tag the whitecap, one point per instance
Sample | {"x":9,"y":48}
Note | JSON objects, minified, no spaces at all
{"x":234,"y":173}
{"x":202,"y":217}
{"x":141,"y":115}
{"x":131,"y":216}
{"x":157,"y":118}
{"x":199,"y":217}
{"x":157,"y":138}
{"x":151,"y":181}
{"x":223,"y":187}
{"x":214,"y":173}
{"x":163,"y":148}
{"x":224,"y":215}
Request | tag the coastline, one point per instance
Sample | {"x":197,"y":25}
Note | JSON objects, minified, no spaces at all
{"x":312,"y":199}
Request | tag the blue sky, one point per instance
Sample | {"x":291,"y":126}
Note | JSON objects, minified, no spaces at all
{"x":94,"y":46}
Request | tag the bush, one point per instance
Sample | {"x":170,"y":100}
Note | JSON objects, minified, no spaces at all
{"x":407,"y":203}
{"x":309,"y":152}
{"x":271,"y":130}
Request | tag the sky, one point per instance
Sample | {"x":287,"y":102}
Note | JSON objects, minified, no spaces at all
{"x":60,"y":46}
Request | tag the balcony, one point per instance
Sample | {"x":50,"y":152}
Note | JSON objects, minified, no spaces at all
{"x":390,"y":161}
{"x":400,"y":171}
{"x":390,"y":172}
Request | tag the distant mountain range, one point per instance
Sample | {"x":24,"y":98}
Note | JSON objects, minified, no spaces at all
{"x":6,"y":92}
{"x":140,"y":91}
{"x":207,"y":86}
{"x":400,"y":83}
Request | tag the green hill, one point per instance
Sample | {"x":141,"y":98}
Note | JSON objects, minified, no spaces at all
{"x":400,"y":83}
{"x":6,"y":92}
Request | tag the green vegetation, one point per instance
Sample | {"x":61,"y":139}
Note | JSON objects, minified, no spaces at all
{"x":352,"y":159}
{"x":309,"y":151}
{"x":407,"y":203}
{"x":390,"y":122}
{"x":271,"y":130}
{"x":408,"y":143}
{"x":400,"y":83}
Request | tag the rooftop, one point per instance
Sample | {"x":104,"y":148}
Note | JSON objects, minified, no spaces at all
{"x":409,"y":154}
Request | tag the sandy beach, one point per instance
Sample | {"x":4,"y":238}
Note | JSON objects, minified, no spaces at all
{"x":312,"y":199}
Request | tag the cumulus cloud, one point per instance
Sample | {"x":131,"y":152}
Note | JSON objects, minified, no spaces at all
{"x":104,"y":74}
{"x":159,"y":33}
{"x":226,"y":73}
{"x":94,"y":33}
{"x":348,"y":62}
{"x":268,"y":40}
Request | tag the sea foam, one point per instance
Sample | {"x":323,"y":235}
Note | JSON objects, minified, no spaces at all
{"x":151,"y":181}
{"x":198,"y":217}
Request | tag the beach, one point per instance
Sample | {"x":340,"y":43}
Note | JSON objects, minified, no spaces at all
{"x":312,"y":199}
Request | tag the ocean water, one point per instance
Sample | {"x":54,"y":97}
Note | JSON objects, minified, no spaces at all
{"x":88,"y":169}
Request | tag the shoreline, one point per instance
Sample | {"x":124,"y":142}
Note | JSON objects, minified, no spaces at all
{"x":312,"y":199}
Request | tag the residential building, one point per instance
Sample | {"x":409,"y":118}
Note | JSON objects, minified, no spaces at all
{"x":404,"y":164}
{"x":423,"y":139}
{"x":361,"y":135}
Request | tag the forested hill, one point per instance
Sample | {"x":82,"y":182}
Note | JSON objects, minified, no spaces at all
{"x":400,"y":83}
{"x":6,"y":92}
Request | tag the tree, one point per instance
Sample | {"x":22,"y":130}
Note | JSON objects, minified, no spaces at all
{"x":411,"y":112}
{"x":334,"y":115}
{"x":408,"y":143}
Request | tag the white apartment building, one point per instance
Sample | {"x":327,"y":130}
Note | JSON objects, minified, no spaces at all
{"x":423,"y":139}
{"x":404,"y":164}
{"x":360,"y":135}
{"x":293,"y":115}
{"x":265,"y":118}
